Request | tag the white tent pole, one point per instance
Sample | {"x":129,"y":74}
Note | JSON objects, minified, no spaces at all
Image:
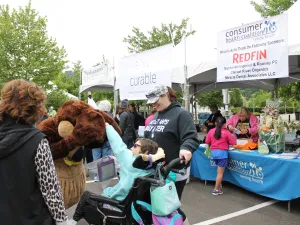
{"x":115,"y":90}
{"x":186,"y":81}
{"x":80,"y":83}
{"x":226,"y":101}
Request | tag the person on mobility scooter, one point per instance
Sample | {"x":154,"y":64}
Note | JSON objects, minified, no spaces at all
{"x":113,"y":206}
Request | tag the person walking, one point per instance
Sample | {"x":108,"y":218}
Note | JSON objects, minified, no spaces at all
{"x":219,"y":139}
{"x":173,"y":129}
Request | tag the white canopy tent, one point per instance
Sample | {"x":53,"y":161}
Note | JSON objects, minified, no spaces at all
{"x":199,"y":54}
{"x":201,"y":61}
{"x":100,"y":77}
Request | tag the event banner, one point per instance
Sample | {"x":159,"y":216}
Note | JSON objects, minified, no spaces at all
{"x":97,"y":76}
{"x":254,"y":51}
{"x":138,"y":73}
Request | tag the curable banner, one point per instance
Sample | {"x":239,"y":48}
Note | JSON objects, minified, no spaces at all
{"x":254,"y":51}
{"x":139,"y":73}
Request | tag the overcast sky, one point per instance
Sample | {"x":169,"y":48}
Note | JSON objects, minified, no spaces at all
{"x":90,"y":28}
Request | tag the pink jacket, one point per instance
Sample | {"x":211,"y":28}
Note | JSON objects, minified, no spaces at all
{"x":233,"y":120}
{"x":148,"y":120}
{"x":221,"y":144}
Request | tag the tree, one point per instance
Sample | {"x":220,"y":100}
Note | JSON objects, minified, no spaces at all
{"x":167,"y":34}
{"x":56,"y":98}
{"x":210,"y":98}
{"x":290,"y":92}
{"x":26,"y":51}
{"x":70,"y":80}
{"x":103,"y":95}
{"x":259,"y":99}
{"x":235,"y":97}
{"x":248,"y":92}
{"x":272,"y":7}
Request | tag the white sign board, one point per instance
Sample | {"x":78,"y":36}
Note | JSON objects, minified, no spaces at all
{"x":137,"y":74}
{"x":254,"y":51}
{"x":97,"y":76}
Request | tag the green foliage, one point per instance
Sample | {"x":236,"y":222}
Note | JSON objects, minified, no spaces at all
{"x":272,"y":7}
{"x":259,"y":99}
{"x":179,"y":95}
{"x":247,"y":92}
{"x":138,"y":104}
{"x":103,"y":95}
{"x":235,"y":97}
{"x":70,"y":80}
{"x":289,"y":92}
{"x":56,"y":98}
{"x":210,"y":98}
{"x":167,"y":34}
{"x":26,"y":51}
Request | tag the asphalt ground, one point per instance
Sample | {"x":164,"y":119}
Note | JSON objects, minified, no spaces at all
{"x":235,"y":207}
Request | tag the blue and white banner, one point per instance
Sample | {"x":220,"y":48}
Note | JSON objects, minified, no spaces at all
{"x":254,"y":51}
{"x":262,"y":174}
{"x":138,"y":73}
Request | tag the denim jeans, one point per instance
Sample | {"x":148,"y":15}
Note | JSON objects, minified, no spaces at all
{"x":99,"y":153}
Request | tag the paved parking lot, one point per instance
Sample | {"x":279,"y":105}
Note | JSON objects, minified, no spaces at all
{"x":235,"y":207}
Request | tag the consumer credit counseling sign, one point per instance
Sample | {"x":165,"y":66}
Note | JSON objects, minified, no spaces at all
{"x":254,"y":51}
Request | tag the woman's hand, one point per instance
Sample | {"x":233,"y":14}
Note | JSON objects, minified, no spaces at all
{"x":231,"y":128}
{"x":185,"y":154}
{"x":106,"y":124}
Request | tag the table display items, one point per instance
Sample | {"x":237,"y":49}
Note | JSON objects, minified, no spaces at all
{"x":271,"y":130}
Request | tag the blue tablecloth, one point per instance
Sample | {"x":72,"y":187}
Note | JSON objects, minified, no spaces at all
{"x":275,"y":178}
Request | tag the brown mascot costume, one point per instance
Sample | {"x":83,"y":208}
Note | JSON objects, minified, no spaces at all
{"x":76,"y":124}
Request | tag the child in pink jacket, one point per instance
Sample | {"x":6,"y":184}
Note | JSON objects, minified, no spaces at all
{"x":219,"y":140}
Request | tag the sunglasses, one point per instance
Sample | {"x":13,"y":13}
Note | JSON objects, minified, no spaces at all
{"x":136,"y":145}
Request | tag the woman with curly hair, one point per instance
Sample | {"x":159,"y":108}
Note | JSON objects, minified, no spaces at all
{"x":30,"y":192}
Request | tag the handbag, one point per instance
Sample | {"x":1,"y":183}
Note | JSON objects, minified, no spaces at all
{"x":173,"y":219}
{"x":164,"y":199}
{"x":106,"y":168}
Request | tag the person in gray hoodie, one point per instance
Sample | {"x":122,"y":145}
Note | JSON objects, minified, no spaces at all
{"x":173,"y":129}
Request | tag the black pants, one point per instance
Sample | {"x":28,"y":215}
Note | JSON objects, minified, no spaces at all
{"x":179,"y":188}
{"x":88,"y":155}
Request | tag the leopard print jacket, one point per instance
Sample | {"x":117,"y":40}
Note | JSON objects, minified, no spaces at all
{"x":48,"y":182}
